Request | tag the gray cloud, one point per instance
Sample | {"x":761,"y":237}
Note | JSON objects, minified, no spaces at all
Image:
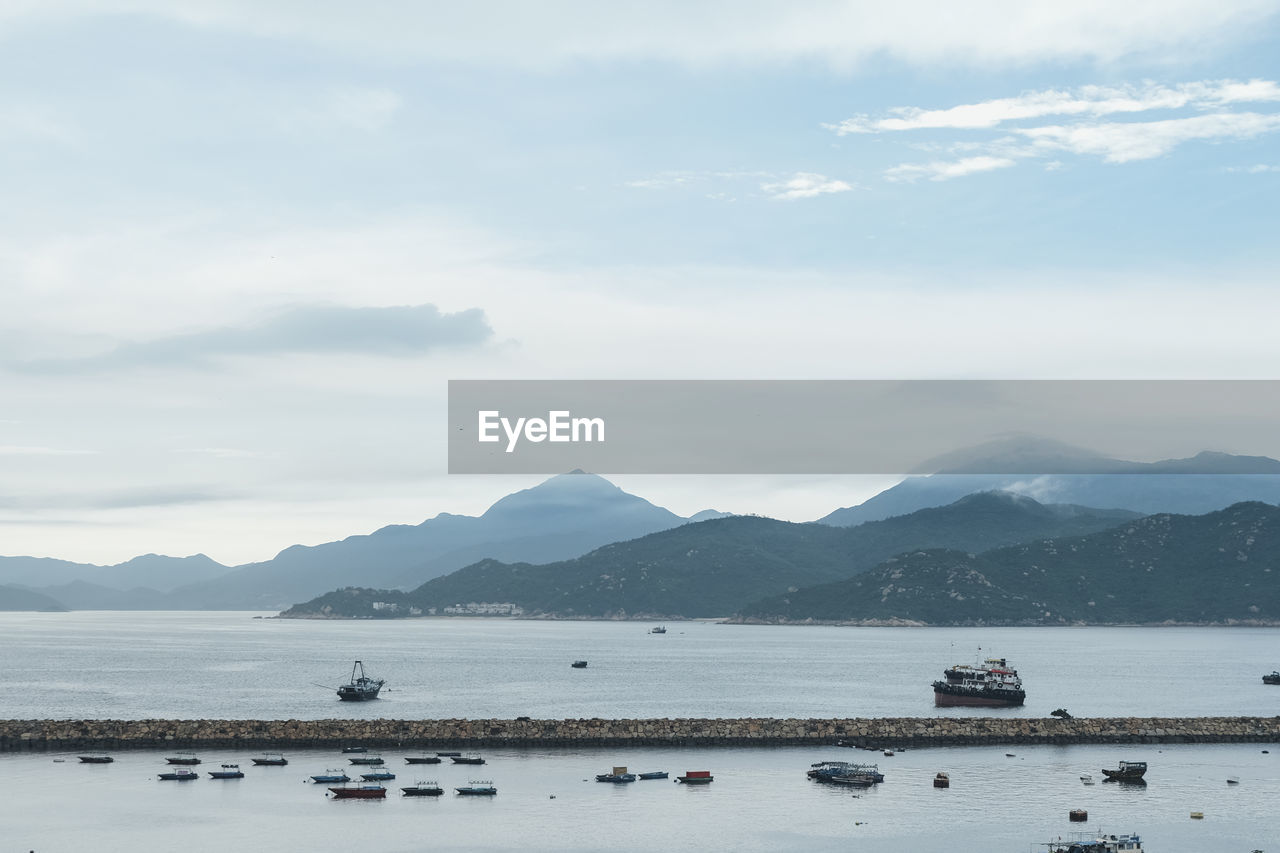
{"x":396,"y":331}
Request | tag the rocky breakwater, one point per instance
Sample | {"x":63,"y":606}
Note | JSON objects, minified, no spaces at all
{"x":389,"y":734}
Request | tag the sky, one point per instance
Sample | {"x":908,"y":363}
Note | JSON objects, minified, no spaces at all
{"x":244,"y":246}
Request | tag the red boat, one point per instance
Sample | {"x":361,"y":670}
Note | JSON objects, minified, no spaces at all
{"x":363,"y":792}
{"x":696,"y":777}
{"x":993,"y":683}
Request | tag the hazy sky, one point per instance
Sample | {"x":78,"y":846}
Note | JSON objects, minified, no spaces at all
{"x":244,"y":245}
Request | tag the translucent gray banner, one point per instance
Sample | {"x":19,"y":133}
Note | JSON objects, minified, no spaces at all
{"x":864,"y":426}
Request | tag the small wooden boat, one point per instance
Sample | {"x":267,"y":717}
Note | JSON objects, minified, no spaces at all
{"x":183,"y":758}
{"x":853,"y":780}
{"x":182,"y":775}
{"x":350,"y":750}
{"x":378,"y":776}
{"x":422,"y":759}
{"x":1129,"y":771}
{"x":228,"y":771}
{"x":423,"y":789}
{"x":1197,"y":815}
{"x":1078,"y":815}
{"x":271,"y":759}
{"x":941,"y":780}
{"x":360,"y":792}
{"x":473,"y":758}
{"x":330,"y":776}
{"x":367,"y":760}
{"x":696,"y":777}
{"x":477,"y":789}
{"x":657,"y":774}
{"x":96,"y":758}
{"x":579,"y":664}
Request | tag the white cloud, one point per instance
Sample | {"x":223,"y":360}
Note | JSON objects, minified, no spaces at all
{"x":940,"y":170}
{"x":1093,"y":101}
{"x":1122,"y":142}
{"x":805,"y":185}
{"x":841,"y":33}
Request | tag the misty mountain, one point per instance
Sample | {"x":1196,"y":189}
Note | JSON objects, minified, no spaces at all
{"x":1220,"y":567}
{"x":563,"y":517}
{"x":17,"y":598}
{"x":1186,"y":486}
{"x":154,"y":571}
{"x":715,"y":567}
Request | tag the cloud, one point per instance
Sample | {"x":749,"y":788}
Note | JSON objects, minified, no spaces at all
{"x":1091,"y":101}
{"x":805,"y":185}
{"x":943,"y":171}
{"x":841,"y":33}
{"x":398,"y":331}
{"x":1121,"y":142}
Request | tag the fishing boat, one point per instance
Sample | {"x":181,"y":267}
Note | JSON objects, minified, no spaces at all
{"x":378,"y":776}
{"x":360,"y":792}
{"x":182,"y":758}
{"x":448,"y":754}
{"x":1128,"y":771}
{"x":992,"y":684}
{"x":96,"y":758}
{"x":656,"y":774}
{"x":477,"y":789}
{"x":618,"y":776}
{"x":228,"y":771}
{"x":696,"y":777}
{"x":422,"y":759}
{"x":661,"y":629}
{"x":471,"y":758}
{"x":1096,"y":843}
{"x":367,"y":760}
{"x":1273,"y":678}
{"x":271,"y":759}
{"x":579,"y":664}
{"x":825,"y":771}
{"x":331,"y":776}
{"x":361,"y":688}
{"x":181,"y":775}
{"x":423,"y":789}
{"x":853,"y":780}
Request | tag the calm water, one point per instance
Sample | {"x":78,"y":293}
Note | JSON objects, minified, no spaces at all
{"x":184,"y":665}
{"x":760,"y":801}
{"x":231,"y":665}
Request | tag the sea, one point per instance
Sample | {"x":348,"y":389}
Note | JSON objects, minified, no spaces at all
{"x":134,"y":665}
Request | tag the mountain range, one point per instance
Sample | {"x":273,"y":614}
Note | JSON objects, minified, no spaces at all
{"x":714,"y":568}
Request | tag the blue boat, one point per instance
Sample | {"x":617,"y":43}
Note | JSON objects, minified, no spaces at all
{"x":183,"y":775}
{"x":228,"y":771}
{"x":331,"y":776}
{"x":378,"y":776}
{"x":618,"y":776}
{"x":657,"y":774}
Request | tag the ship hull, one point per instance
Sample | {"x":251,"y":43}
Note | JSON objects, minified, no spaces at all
{"x":949,"y":699}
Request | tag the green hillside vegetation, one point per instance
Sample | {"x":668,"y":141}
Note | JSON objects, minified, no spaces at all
{"x":1223,"y":567}
{"x":715,"y":567}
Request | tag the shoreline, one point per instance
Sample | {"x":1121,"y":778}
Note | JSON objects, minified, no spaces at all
{"x":874,"y":733}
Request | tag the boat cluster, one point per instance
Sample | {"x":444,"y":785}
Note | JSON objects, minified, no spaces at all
{"x":846,"y":773}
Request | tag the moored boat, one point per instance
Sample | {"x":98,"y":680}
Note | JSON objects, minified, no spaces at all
{"x":378,"y":776}
{"x":991,"y":684}
{"x":696,"y":777}
{"x":227,"y":771}
{"x":579,"y":664}
{"x":660,"y":629}
{"x":180,"y":775}
{"x":825,"y":771}
{"x":422,"y":759}
{"x":1273,"y":678}
{"x":1128,"y":771}
{"x":618,"y":776}
{"x":349,"y":750}
{"x":360,"y":792}
{"x":656,"y":774}
{"x":423,"y":789}
{"x":360,"y":688}
{"x":1096,"y":843}
{"x":330,"y":776}
{"x":480,"y":789}
{"x":367,"y":760}
{"x":271,"y":759}
{"x":96,"y":758}
{"x":941,"y":780}
{"x":471,"y":758}
{"x":182,"y":758}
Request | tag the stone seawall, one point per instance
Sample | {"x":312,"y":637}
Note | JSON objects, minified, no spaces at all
{"x":899,"y":732}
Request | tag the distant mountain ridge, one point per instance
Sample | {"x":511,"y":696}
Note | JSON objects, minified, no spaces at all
{"x":1219,"y":568}
{"x":715,"y":567}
